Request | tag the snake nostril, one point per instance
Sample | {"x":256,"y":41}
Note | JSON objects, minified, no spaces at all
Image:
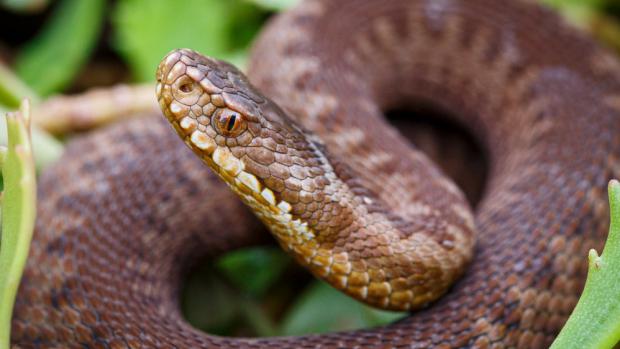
{"x":187,"y":87}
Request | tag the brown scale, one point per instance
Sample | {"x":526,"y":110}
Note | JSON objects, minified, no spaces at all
{"x":125,"y":205}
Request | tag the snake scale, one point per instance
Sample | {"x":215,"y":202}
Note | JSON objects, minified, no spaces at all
{"x":129,"y":207}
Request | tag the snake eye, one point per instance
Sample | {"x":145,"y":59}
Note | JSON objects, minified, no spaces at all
{"x":229,"y":123}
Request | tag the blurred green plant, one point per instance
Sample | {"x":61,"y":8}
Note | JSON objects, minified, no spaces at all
{"x":213,"y":303}
{"x":322,"y":309}
{"x":12,"y":90}
{"x":275,"y":5}
{"x":145,"y":30}
{"x":241,"y":294}
{"x":49,"y":62}
{"x":597,"y":16}
{"x":592,"y":4}
{"x":45,"y":147}
{"x":18,"y":213}
{"x":254,"y":269}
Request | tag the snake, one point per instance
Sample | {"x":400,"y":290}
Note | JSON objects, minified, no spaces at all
{"x":304,"y":143}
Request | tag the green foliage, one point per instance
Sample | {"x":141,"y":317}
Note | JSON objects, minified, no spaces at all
{"x":578,"y":11}
{"x":50,"y":61}
{"x":209,"y":303}
{"x":581,"y":3}
{"x":47,"y":148}
{"x":18,"y":213}
{"x":254,"y":270}
{"x":148,"y":29}
{"x":226,"y":298}
{"x":321,"y":309}
{"x":212,"y":304}
{"x":275,"y":5}
{"x":13,"y":90}
{"x":595,"y":321}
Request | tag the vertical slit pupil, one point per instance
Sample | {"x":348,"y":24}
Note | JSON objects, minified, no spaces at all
{"x":231,"y":122}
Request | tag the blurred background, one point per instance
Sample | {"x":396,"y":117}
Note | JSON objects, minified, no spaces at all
{"x":57,"y":47}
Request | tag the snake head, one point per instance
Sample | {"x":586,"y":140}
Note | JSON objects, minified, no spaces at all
{"x":198,"y":93}
{"x":243,"y":136}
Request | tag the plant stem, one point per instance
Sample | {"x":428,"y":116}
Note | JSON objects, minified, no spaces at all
{"x":595,"y":321}
{"x":18,"y":214}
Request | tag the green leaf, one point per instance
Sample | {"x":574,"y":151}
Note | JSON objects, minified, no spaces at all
{"x":13,"y":89}
{"x":208,"y":303}
{"x":580,"y":3}
{"x":47,"y":148}
{"x":145,"y":30}
{"x":323,"y":309}
{"x":595,"y":321}
{"x":254,"y":270}
{"x":578,"y":12}
{"x":275,"y":5}
{"x":18,"y":213}
{"x":50,"y":61}
{"x":211,"y":304}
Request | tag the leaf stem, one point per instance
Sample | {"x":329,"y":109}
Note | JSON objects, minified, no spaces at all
{"x":18,"y":214}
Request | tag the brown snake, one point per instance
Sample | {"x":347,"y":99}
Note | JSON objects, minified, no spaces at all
{"x":129,"y":207}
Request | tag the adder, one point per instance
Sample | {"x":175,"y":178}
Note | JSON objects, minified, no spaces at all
{"x":306,"y":146}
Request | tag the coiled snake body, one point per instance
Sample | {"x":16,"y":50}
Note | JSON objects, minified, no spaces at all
{"x":128,"y":207}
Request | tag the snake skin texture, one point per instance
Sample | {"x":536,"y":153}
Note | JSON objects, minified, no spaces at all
{"x":127,"y":208}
